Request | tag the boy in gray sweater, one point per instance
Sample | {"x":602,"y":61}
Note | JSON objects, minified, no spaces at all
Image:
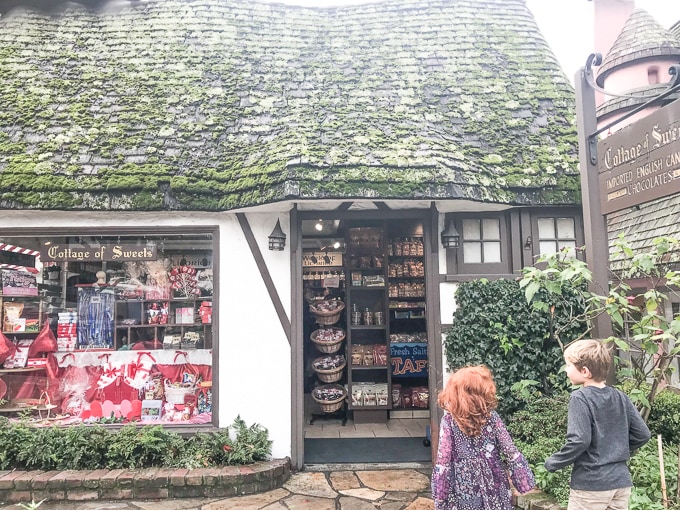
{"x":603,"y":429}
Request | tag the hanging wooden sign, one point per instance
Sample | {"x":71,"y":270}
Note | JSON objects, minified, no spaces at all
{"x":322,"y":259}
{"x":641,"y":162}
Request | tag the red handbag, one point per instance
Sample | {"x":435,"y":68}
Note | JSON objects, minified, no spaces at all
{"x":7,"y":348}
{"x":43,"y":343}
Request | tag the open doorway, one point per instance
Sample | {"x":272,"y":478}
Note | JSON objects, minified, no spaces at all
{"x":365,"y":345}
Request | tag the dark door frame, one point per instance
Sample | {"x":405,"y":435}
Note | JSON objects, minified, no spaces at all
{"x":430,"y":220}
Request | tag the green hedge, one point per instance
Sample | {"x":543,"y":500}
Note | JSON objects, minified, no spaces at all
{"x":23,"y":446}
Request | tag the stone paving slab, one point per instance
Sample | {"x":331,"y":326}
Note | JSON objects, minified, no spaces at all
{"x":253,"y":502}
{"x":310,"y":484}
{"x":343,"y":480}
{"x":363,"y":493}
{"x":404,"y":480}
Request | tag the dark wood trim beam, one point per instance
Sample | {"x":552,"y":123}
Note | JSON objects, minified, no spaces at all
{"x":365,"y":214}
{"x":470,"y":277}
{"x":297,"y":390}
{"x":266,"y":277}
{"x":343,"y":207}
{"x":382,"y":206}
{"x":433,"y":314}
{"x":516,"y":241}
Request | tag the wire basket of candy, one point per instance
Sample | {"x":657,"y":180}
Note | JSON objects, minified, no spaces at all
{"x":329,"y":368}
{"x":330,"y":397}
{"x":328,"y":340}
{"x":327,"y":312}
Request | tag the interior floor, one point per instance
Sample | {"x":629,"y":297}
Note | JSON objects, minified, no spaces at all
{"x":395,"y":427}
{"x":327,"y":427}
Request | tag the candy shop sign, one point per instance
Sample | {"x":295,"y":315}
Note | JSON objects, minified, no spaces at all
{"x":322,"y":259}
{"x":409,"y":359}
{"x":641,"y":162}
{"x":104,"y":252}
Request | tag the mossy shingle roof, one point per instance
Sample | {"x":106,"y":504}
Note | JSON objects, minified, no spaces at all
{"x":216,"y":105}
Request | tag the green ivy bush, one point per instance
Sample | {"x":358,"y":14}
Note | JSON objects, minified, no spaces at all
{"x":23,"y":446}
{"x":494,"y":325}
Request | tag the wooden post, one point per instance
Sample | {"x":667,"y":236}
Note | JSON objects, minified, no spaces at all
{"x":594,"y":224}
{"x":664,"y":496}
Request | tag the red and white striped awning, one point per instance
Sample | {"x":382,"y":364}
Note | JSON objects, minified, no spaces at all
{"x":24,"y":251}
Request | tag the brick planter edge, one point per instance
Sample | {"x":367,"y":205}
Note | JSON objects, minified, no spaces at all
{"x":151,"y":483}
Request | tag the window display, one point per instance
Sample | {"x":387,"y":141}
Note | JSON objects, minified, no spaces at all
{"x":108,"y":329}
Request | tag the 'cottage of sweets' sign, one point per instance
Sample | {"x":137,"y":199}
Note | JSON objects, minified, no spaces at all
{"x":105,"y":252}
{"x":641,"y":162}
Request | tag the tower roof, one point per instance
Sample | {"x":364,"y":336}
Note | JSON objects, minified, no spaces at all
{"x":642,"y":38}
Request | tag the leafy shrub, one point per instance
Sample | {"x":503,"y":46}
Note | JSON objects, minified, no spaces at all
{"x":664,"y":417}
{"x":544,"y":417}
{"x":644,"y":468}
{"x":539,"y":430}
{"x":94,"y":447}
{"x":495,"y":325}
{"x":82,"y":448}
{"x":136,"y":447}
{"x":250,"y":444}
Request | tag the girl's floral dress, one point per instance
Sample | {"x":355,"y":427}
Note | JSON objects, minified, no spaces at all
{"x":471,"y":473}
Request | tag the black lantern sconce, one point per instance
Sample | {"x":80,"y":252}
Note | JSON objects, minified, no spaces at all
{"x":450,"y":236}
{"x":277,"y":239}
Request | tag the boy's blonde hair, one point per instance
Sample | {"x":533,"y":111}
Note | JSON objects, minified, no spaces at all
{"x":592,"y":354}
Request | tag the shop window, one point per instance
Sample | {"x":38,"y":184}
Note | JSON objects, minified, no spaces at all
{"x":555,"y":234}
{"x":482,"y":241}
{"x":108,"y":328}
{"x":483,"y":245}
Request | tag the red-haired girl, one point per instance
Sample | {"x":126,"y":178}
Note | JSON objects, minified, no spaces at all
{"x":476,"y":453}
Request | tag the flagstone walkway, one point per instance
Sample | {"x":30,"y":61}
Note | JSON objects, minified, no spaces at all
{"x":385,"y":489}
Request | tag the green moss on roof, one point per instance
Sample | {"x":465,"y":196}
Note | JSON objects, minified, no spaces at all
{"x":214,"y":105}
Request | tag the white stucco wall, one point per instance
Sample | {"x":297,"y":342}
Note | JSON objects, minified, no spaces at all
{"x":255,"y":357}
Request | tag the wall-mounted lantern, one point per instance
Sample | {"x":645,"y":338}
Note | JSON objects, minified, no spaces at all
{"x":277,"y":239}
{"x":450,"y":237}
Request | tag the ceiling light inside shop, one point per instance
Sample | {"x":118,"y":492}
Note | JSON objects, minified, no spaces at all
{"x":319,"y":226}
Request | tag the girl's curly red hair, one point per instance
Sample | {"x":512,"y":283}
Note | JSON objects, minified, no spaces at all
{"x":470,"y":396}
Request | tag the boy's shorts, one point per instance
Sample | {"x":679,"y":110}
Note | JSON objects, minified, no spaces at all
{"x":616,"y":499}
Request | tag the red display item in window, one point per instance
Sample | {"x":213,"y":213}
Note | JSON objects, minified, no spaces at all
{"x":7,"y":348}
{"x":136,"y":412}
{"x":43,"y":343}
{"x":96,"y":409}
{"x":52,"y":366}
{"x":183,"y":281}
{"x":137,"y":372}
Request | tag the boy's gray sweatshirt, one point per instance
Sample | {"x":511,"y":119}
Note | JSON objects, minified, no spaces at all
{"x":603,"y":428}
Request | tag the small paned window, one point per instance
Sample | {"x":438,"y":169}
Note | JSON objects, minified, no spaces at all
{"x":653,"y":75}
{"x":482,"y":241}
{"x":554,"y":234}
